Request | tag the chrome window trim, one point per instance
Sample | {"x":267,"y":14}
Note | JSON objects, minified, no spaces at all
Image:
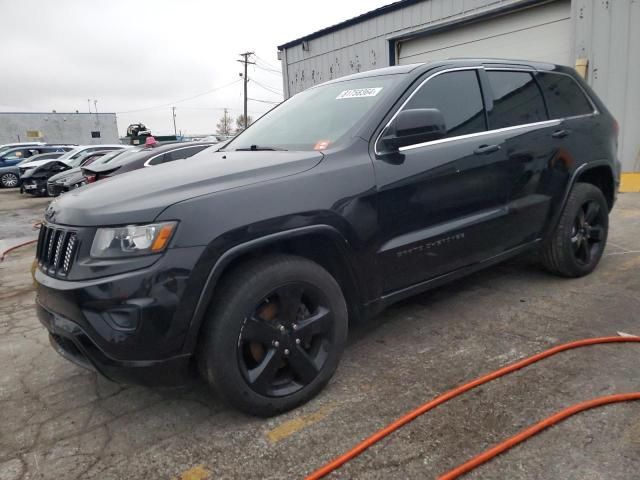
{"x":481,"y":134}
{"x":375,"y":145}
{"x":554,"y":121}
{"x":147,"y":163}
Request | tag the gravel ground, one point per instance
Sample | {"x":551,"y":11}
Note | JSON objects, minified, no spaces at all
{"x":60,"y":421}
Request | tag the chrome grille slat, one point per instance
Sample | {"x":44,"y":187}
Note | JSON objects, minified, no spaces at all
{"x":56,"y":250}
{"x":62,"y":236}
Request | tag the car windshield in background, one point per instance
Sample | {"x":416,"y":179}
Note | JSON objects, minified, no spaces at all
{"x":108,"y":157}
{"x":315,"y":119}
{"x":124,"y":157}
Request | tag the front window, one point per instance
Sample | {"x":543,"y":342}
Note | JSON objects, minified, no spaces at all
{"x":317,"y":118}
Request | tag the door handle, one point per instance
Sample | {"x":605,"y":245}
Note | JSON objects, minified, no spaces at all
{"x":560,"y":133}
{"x":484,"y":149}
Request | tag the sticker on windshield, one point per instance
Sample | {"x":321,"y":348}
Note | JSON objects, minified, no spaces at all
{"x":359,"y":92}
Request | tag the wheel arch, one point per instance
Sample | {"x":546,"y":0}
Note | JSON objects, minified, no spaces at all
{"x":322,"y":244}
{"x":600,"y":176}
{"x":598,"y":173}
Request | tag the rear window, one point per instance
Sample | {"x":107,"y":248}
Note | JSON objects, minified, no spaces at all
{"x":564,"y":96}
{"x":516,"y":100}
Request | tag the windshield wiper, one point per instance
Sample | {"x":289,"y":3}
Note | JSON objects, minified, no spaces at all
{"x":260,"y":148}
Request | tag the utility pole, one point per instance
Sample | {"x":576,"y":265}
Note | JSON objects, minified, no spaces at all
{"x":173,"y":112}
{"x":245,"y":59}
{"x":95,"y":104}
{"x":89,"y":103}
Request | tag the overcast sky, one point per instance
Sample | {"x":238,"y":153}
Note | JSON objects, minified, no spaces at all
{"x":141,"y":55}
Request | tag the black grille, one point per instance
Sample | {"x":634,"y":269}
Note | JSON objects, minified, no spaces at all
{"x":54,"y":190}
{"x":56,"y":250}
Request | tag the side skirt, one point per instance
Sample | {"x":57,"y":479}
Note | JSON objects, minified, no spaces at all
{"x":393,"y":297}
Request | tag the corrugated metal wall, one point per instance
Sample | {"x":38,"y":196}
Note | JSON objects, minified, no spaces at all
{"x":364,"y":46}
{"x":607,"y":33}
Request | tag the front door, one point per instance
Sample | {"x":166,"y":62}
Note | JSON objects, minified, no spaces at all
{"x":441,"y":206}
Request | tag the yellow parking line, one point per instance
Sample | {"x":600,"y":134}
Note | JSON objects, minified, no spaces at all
{"x":630,"y":182}
{"x":290,"y":427}
{"x":199,"y":472}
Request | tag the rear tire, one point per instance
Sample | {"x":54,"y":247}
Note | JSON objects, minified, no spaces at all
{"x":576,"y":246}
{"x":274,"y":334}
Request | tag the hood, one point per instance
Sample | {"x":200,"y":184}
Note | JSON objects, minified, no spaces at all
{"x":37,"y":163}
{"x":141,"y":195}
{"x":64,"y":176}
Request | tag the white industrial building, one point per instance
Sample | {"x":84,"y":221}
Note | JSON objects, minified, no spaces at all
{"x":54,"y":127}
{"x":600,"y":38}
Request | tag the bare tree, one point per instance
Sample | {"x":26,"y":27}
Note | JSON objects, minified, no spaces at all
{"x":225,"y":124}
{"x":240,"y":122}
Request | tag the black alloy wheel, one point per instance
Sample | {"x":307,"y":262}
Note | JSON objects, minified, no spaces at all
{"x":274,"y":334}
{"x":587,"y":232}
{"x":575,"y":247}
{"x":283,"y":343}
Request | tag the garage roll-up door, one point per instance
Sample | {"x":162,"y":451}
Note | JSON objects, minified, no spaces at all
{"x":537,"y":33}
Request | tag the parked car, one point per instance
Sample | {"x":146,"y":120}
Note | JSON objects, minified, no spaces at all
{"x":249,"y":261}
{"x":74,"y":155}
{"x":74,"y":178}
{"x":6,"y":146}
{"x":15,"y":155}
{"x":145,"y":157}
{"x":10,"y":176}
{"x":34,"y":180}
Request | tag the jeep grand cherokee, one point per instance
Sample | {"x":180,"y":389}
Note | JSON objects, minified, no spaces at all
{"x":247,"y":262}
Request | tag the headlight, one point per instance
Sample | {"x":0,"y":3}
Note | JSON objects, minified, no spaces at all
{"x":132,"y":240}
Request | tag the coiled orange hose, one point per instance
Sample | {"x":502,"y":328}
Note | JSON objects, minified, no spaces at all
{"x":532,"y":430}
{"x":392,"y":427}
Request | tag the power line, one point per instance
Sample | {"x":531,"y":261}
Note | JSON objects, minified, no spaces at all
{"x":265,"y":101}
{"x":267,"y":88}
{"x":270,"y":71}
{"x":266,"y":62}
{"x":183,"y":100}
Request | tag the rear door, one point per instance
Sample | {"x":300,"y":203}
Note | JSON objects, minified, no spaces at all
{"x":577,"y":138}
{"x":521,"y":125}
{"x":442,"y":206}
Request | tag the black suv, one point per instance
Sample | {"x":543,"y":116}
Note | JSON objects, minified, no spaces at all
{"x":246,"y":262}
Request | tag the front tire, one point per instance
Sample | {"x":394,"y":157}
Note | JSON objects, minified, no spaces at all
{"x":274,"y":334}
{"x":576,"y":246}
{"x":9,"y":180}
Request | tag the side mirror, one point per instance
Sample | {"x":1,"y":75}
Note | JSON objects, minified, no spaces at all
{"x":414,"y":126}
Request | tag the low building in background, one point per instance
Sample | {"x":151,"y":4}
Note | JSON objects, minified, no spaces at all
{"x":53,"y":127}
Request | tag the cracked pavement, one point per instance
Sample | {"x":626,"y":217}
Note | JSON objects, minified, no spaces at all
{"x":58,"y":420}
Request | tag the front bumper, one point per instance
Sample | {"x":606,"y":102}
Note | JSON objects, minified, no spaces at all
{"x":129,"y":327}
{"x":55,"y":189}
{"x":72,"y":343}
{"x":34,"y":186}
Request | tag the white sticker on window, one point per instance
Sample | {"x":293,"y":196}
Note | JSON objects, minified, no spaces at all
{"x":359,"y":92}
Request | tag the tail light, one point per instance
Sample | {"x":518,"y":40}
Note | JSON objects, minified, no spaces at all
{"x":91,"y":178}
{"x":616,"y":127}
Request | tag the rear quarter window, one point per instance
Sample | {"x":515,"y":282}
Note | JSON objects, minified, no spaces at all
{"x":564,"y":97}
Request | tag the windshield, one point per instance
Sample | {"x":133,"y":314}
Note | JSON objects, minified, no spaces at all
{"x":70,"y":154}
{"x":317,"y":118}
{"x":124,"y":157}
{"x":106,"y":158}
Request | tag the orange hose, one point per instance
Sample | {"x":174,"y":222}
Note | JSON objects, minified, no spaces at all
{"x":532,"y":430}
{"x":8,"y":250}
{"x":392,"y":427}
